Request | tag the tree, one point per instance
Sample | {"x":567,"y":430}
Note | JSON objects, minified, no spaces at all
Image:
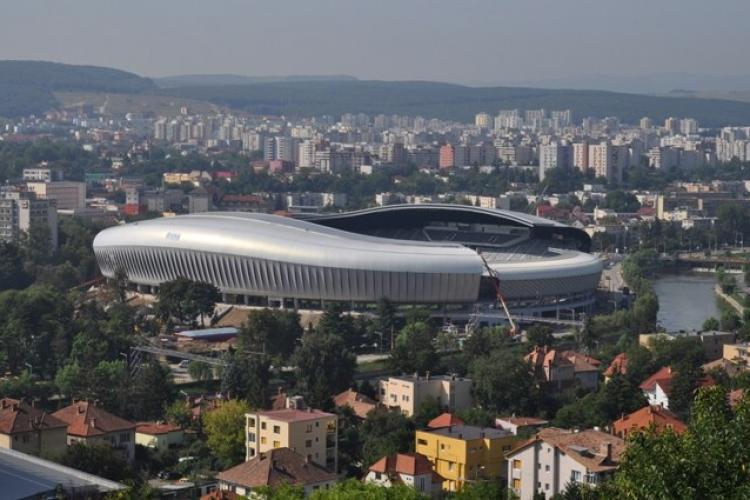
{"x":710,"y":324}
{"x":179,"y":414}
{"x":151,"y":391}
{"x":621,"y":201}
{"x":414,"y":351}
{"x":540,"y":335}
{"x":12,"y":273}
{"x":225,"y":431}
{"x":246,"y":376}
{"x":387,"y":322}
{"x":384,"y":433}
{"x":324,"y":367}
{"x":118,"y":285}
{"x":503,"y":382}
{"x":200,"y":371}
{"x":275,"y":333}
{"x":353,"y":489}
{"x":100,"y":460}
{"x":185,"y":300}
{"x":692,"y":465}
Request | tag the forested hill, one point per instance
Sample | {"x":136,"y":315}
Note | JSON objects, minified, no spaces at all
{"x":26,"y":87}
{"x":456,"y":102}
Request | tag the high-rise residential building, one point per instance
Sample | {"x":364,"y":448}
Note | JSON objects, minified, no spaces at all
{"x":581,"y":156}
{"x":160,"y":129}
{"x":269,"y":148}
{"x":646,"y":123}
{"x":286,"y":149}
{"x":311,"y":433}
{"x":43,"y":174}
{"x":306,"y":154}
{"x":553,"y":156}
{"x":671,"y":125}
{"x":561,"y":118}
{"x":22,"y":211}
{"x":447,"y":156}
{"x":602,"y":160}
{"x":483,"y":120}
{"x":688,"y":126}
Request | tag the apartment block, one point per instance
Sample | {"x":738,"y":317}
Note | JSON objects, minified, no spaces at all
{"x":545,"y":465}
{"x":406,"y":393}
{"x":465,"y":453}
{"x":311,"y":433}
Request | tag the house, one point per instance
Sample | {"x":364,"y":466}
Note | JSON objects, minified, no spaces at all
{"x":411,"y":469}
{"x":618,"y":366}
{"x":658,"y":386}
{"x":444,"y":420}
{"x":462,"y":453}
{"x":274,"y":468}
{"x":91,"y":425}
{"x":30,"y":430}
{"x":520,"y":426}
{"x":159,"y":436}
{"x":564,"y":368}
{"x":547,"y":463}
{"x":311,"y":433}
{"x":358,"y":402}
{"x":649,"y":416}
{"x":407,"y":392}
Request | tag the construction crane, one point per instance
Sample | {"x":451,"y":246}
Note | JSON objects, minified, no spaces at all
{"x":498,"y":294}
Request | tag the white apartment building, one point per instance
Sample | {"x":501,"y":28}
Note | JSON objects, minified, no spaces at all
{"x":555,"y":458}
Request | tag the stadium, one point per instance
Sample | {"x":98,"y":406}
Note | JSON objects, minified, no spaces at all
{"x":436,"y":255}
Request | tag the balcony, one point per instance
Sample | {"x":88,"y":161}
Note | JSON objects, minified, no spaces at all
{"x":515,"y":474}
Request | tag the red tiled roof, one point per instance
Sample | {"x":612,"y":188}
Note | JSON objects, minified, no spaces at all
{"x":444,"y":420}
{"x":293,"y":415}
{"x":544,"y":357}
{"x":596,"y":450}
{"x":647,"y":416}
{"x":524,"y":421}
{"x":276,"y":467}
{"x":581,"y":362}
{"x":17,"y":416}
{"x":663,"y":378}
{"x":618,"y":365}
{"x":84,"y":419}
{"x":361,"y":404}
{"x":411,"y":464}
{"x":155,"y":429}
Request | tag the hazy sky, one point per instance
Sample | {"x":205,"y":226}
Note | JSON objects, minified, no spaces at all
{"x":448,"y":40}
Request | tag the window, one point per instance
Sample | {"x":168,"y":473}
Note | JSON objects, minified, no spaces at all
{"x":263,"y":440}
{"x":378,"y":475}
{"x":546,"y":468}
{"x":546,"y":486}
{"x":251,"y":422}
{"x":276,"y":444}
{"x":516,"y":484}
{"x":276,"y":429}
{"x":422,"y":442}
{"x":308,"y":428}
{"x":539,"y":466}
{"x":251,"y":437}
{"x":308,"y":443}
{"x":263,"y":425}
{"x":124,"y":437}
{"x":575,"y":475}
{"x":450,"y":465}
{"x":517,"y":464}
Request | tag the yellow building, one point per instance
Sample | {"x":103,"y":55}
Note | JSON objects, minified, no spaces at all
{"x":462,"y":453}
{"x":311,"y":433}
{"x":30,"y":430}
{"x":158,"y":436}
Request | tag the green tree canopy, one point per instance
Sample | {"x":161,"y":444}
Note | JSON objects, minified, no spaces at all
{"x":225,"y":431}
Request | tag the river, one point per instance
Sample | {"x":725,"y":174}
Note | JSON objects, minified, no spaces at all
{"x":685,"y":300}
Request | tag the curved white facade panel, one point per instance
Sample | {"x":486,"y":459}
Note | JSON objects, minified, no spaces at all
{"x":267,"y":255}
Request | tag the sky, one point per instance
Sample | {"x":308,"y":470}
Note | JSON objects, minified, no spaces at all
{"x":467,"y":41}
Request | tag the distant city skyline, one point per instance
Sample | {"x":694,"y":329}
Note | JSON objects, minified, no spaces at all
{"x":476,"y":41}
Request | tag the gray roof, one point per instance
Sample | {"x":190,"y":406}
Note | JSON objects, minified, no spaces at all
{"x":279,"y":238}
{"x":471,"y":432}
{"x":23,"y":476}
